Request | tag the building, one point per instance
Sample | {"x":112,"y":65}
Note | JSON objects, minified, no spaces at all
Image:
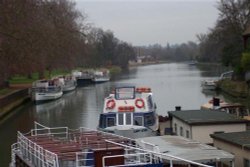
{"x":199,"y":124}
{"x":237,"y":143}
{"x":188,"y":149}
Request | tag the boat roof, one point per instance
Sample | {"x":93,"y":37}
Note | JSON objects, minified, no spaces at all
{"x":186,"y":148}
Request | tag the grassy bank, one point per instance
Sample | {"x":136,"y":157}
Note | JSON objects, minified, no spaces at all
{"x":234,"y":88}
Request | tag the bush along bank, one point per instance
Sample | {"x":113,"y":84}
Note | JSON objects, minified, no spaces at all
{"x":234,"y":88}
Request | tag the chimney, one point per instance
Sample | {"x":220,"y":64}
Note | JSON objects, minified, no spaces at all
{"x":177,"y":108}
{"x":216,"y":102}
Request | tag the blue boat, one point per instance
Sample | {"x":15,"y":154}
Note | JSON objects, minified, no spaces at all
{"x":131,"y":112}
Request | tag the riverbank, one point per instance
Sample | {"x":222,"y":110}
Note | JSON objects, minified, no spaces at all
{"x":135,"y":64}
{"x":234,"y":88}
{"x":12,"y":100}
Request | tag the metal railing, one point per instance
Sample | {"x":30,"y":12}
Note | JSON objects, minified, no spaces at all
{"x":34,"y":153}
{"x":164,"y":156}
{"x":38,"y":156}
{"x":83,"y":159}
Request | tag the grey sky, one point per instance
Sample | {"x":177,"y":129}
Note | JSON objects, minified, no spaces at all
{"x":144,"y":22}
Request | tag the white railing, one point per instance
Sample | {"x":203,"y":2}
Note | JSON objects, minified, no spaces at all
{"x":151,"y":147}
{"x":164,"y":156}
{"x":34,"y":153}
{"x":61,"y":132}
{"x":40,"y":157}
{"x":82,"y":159}
{"x":131,"y":159}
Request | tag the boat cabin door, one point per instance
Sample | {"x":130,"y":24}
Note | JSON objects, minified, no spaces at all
{"x":124,"y":118}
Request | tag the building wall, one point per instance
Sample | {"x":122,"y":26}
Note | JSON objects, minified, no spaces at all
{"x":202,"y":133}
{"x":184,"y":126}
{"x":239,"y":153}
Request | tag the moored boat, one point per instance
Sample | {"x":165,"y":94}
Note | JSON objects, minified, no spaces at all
{"x":209,"y":85}
{"x":231,"y":108}
{"x":130,"y":112}
{"x":63,"y":147}
{"x":68,"y":83}
{"x":101,"y":76}
{"x":46,"y":90}
{"x":83,"y":77}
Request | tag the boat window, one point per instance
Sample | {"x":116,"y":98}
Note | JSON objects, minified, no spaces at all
{"x":138,"y":120}
{"x":110,"y":121}
{"x":149,"y":119}
{"x":120,"y":119}
{"x":128,"y":119}
{"x":150,"y":102}
{"x":101,"y":121}
{"x":125,"y":93}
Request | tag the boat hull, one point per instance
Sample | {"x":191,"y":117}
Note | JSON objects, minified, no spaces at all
{"x":100,"y":80}
{"x":42,"y":97}
{"x":68,"y":88}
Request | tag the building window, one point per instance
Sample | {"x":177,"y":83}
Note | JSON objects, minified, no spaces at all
{"x":175,"y":128}
{"x":181,"y":131}
{"x":246,"y":162}
{"x":187,"y":133}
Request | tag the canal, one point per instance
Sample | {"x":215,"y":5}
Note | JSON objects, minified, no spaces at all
{"x":173,"y":84}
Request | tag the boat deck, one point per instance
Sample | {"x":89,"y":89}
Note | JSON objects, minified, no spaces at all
{"x":61,"y":147}
{"x":66,"y":148}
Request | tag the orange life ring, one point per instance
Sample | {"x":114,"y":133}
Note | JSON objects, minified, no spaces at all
{"x":110,"y":104}
{"x":139,"y":103}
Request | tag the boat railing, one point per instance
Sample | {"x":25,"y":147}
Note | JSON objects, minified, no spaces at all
{"x":138,"y":159}
{"x":33,"y":153}
{"x":14,"y":151}
{"x":50,"y":89}
{"x":60,"y":132}
{"x":85,"y":159}
{"x":151,"y":147}
{"x":170,"y":158}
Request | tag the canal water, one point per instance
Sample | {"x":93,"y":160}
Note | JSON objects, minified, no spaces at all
{"x":173,"y":84}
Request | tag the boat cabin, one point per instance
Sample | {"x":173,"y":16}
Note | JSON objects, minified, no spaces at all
{"x":128,"y":106}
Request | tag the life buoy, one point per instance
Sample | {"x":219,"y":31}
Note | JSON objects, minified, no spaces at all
{"x":139,"y":103}
{"x":110,"y":104}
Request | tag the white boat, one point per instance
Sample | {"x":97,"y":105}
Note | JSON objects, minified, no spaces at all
{"x":130,"y":112}
{"x":209,"y":85}
{"x":46,"y":90}
{"x":68,"y":83}
{"x":101,"y":76}
{"x":230,"y":108}
{"x":83,"y":77}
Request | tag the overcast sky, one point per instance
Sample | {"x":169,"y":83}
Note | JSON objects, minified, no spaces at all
{"x":144,"y":22}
